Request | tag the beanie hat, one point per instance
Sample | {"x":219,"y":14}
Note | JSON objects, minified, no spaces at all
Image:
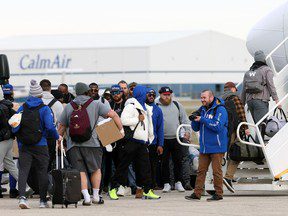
{"x":260,"y":56}
{"x":1,"y":94}
{"x":35,"y":89}
{"x":80,"y":88}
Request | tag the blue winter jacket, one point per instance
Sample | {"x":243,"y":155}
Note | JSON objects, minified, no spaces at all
{"x":46,"y":121}
{"x":158,"y":125}
{"x":213,"y":129}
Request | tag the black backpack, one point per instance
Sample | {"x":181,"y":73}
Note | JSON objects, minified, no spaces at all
{"x":6,"y":113}
{"x":30,"y":132}
{"x":233,"y":118}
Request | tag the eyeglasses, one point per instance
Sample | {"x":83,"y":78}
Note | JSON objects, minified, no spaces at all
{"x":151,"y":95}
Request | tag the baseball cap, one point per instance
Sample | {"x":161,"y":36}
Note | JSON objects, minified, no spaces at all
{"x":115,"y":89}
{"x":165,"y":90}
{"x":7,"y":89}
{"x":230,"y":85}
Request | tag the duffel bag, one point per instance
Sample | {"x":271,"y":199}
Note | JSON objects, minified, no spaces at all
{"x":275,"y":122}
{"x":242,"y":152}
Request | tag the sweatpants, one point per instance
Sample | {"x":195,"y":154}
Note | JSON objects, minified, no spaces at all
{"x":137,"y":153}
{"x":172,"y":147}
{"x":28,"y":154}
{"x":6,"y":156}
{"x":204,"y":162}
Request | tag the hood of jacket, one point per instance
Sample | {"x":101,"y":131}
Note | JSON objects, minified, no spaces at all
{"x":140,"y":94}
{"x":81,"y":99}
{"x":33,"y":101}
{"x":47,"y":95}
{"x":216,"y":102}
{"x":228,"y":94}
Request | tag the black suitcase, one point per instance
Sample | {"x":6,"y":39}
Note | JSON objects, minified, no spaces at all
{"x":66,"y":184}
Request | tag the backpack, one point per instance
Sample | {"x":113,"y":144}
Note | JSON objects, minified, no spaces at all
{"x":6,"y":113}
{"x":253,"y":81}
{"x":79,"y":126}
{"x":30,"y":132}
{"x":233,"y":118}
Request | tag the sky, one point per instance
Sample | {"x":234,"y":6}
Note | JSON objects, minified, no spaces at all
{"x":38,"y":17}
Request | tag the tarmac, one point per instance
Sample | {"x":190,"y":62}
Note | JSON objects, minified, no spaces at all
{"x":242,"y":203}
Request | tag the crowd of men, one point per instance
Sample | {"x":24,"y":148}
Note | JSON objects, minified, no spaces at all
{"x":147,"y":158}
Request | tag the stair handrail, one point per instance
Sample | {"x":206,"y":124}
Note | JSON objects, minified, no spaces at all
{"x":178,"y":138}
{"x":270,"y":59}
{"x":258,"y":133}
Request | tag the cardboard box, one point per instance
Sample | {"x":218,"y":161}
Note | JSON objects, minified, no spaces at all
{"x":108,"y":132}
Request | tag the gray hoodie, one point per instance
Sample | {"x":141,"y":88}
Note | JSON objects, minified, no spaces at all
{"x":171,"y":118}
{"x":57,"y":107}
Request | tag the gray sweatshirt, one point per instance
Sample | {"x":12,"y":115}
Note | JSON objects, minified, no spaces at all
{"x":268,"y":91}
{"x":171,"y":118}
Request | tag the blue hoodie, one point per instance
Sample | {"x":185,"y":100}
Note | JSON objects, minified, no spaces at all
{"x":158,"y":125}
{"x":139,"y":93}
{"x":213,"y":129}
{"x":46,"y":118}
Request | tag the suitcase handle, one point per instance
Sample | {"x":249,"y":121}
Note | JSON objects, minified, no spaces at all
{"x":62,"y":154}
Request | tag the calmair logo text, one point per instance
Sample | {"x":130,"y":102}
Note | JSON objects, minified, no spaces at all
{"x":38,"y":62}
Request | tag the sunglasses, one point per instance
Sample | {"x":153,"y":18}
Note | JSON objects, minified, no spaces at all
{"x":94,"y":90}
{"x":115,"y":92}
{"x":151,"y":95}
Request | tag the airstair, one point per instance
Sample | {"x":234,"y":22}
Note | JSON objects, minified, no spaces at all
{"x":273,"y":174}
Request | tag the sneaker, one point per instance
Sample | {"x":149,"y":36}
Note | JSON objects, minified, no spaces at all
{"x":167,"y":188}
{"x":113,"y":194}
{"x":43,"y":204}
{"x":188,"y":187}
{"x":86,"y":203}
{"x":179,"y":187}
{"x":13,"y":193}
{"x":128,"y":191}
{"x":121,"y":191}
{"x":3,"y":190}
{"x":193,"y":197}
{"x":150,"y":195}
{"x":228,"y":184}
{"x":98,"y":201}
{"x":29,"y":193}
{"x":139,"y":193}
{"x":215,"y":197}
{"x":23,"y":204}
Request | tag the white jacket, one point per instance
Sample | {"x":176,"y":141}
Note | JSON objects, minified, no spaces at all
{"x":130,"y":117}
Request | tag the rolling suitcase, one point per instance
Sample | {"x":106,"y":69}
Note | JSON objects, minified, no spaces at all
{"x":66,"y":184}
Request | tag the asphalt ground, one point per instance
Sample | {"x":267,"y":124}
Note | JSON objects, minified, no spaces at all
{"x":241,"y":203}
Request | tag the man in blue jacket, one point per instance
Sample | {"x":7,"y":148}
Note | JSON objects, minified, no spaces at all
{"x":156,"y":147}
{"x":212,"y":122}
{"x":29,"y":150}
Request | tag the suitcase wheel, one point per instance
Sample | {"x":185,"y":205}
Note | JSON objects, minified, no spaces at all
{"x":66,"y":205}
{"x":62,"y":206}
{"x":75,"y":205}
